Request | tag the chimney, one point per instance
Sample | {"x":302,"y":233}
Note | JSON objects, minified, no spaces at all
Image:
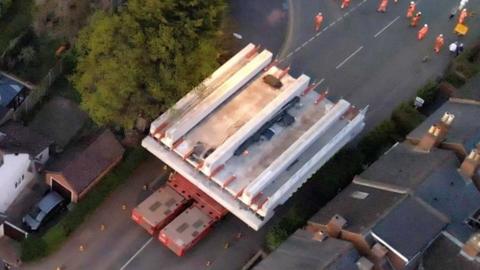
{"x":364,"y":264}
{"x":470,"y":165}
{"x":436,"y":133}
{"x":335,"y":226}
{"x":471,"y":249}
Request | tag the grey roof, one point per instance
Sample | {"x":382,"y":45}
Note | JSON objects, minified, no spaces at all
{"x":465,"y":129}
{"x":300,"y":251}
{"x":20,"y":139}
{"x":444,"y":254}
{"x":404,"y":168}
{"x":449,"y":193}
{"x":9,"y":89}
{"x":361,"y":214}
{"x":470,"y":90}
{"x":410,"y":227}
{"x":93,"y":161}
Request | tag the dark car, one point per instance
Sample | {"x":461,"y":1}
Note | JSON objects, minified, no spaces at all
{"x":48,"y":206}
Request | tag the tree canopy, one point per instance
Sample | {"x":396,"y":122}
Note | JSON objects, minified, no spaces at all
{"x":142,"y":59}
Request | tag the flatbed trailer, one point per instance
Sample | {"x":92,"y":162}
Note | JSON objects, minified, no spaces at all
{"x":186,"y":230}
{"x":159,"y":209}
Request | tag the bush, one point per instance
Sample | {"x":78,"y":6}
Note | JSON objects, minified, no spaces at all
{"x":378,"y":140}
{"x":406,"y":118}
{"x":291,"y":222}
{"x":58,"y":234}
{"x":455,"y":78}
{"x":4,"y":5}
{"x":428,"y":92}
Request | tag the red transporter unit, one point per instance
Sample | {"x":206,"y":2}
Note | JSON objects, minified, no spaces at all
{"x":186,"y":230}
{"x":194,"y":223}
{"x":159,"y":209}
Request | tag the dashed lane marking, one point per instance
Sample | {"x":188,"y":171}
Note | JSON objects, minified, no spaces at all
{"x":386,"y":27}
{"x":349,"y":57}
{"x":136,"y":253}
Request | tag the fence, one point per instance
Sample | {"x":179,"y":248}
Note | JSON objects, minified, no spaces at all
{"x":37,"y":92}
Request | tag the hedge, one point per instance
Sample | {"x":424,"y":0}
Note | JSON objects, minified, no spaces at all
{"x":34,"y":247}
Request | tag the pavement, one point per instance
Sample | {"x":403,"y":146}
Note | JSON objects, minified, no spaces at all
{"x":366,"y":57}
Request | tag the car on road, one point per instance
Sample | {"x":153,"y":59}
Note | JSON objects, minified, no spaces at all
{"x":50,"y":205}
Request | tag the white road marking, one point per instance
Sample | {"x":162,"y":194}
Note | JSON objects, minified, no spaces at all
{"x":348,"y":58}
{"x":349,"y":12}
{"x":136,"y":254}
{"x":386,"y":26}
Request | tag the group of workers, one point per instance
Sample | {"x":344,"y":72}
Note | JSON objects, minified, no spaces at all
{"x":413,"y":15}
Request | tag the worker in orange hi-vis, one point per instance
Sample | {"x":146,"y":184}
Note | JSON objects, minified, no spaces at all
{"x":318,"y":21}
{"x":422,"y":32}
{"x":415,"y":19}
{"x":345,"y":4}
{"x":411,"y":9}
{"x":439,"y":42}
{"x":383,"y":6}
{"x":463,"y":15}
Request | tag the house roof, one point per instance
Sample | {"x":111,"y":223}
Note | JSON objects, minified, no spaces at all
{"x":409,"y":228}
{"x":300,"y":251}
{"x":20,"y":139}
{"x":404,"y":168}
{"x":448,"y":192}
{"x":444,"y":254}
{"x":93,"y":161}
{"x":361,"y":206}
{"x":9,"y":89}
{"x":465,"y":129}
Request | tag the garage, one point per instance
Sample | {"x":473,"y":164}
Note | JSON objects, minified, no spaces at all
{"x":63,"y":191}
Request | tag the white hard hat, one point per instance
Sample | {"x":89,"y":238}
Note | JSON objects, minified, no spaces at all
{"x":441,"y":35}
{"x":426,"y":25}
{"x":419,"y":13}
{"x":411,"y":3}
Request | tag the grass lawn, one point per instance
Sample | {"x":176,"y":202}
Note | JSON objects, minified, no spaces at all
{"x":17,"y":19}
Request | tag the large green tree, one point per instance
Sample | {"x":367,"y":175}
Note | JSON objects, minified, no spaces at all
{"x":144,"y":58}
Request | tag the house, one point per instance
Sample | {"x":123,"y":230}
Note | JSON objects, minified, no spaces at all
{"x":461,"y":134}
{"x":23,"y":153}
{"x":304,"y":251}
{"x":12,"y":94}
{"x":86,"y":170}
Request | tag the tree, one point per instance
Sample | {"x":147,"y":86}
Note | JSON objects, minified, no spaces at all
{"x":143,"y":59}
{"x":27,"y":55}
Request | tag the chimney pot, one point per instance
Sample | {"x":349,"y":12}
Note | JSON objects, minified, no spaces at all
{"x":472,"y":246}
{"x":335,"y":226}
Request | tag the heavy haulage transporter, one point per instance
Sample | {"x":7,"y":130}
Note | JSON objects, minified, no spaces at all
{"x":242,"y":142}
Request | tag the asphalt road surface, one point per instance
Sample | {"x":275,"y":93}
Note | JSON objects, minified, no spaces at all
{"x":366,"y":57}
{"x":370,"y":58}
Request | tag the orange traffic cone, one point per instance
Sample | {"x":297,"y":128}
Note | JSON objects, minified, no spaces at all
{"x":415,"y":19}
{"x":422,"y":32}
{"x":383,"y":6}
{"x":318,"y":21}
{"x":463,"y":15}
{"x":439,"y":41}
{"x":411,"y":9}
{"x":345,"y":4}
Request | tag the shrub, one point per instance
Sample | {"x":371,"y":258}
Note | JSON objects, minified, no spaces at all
{"x":33,"y":248}
{"x":378,"y":140}
{"x":4,"y":5}
{"x":428,"y":92}
{"x":406,"y":118}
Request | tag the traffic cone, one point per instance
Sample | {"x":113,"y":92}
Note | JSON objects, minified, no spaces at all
{"x":422,"y":32}
{"x":439,"y":42}
{"x":415,"y":19}
{"x":463,"y":15}
{"x":345,"y":4}
{"x":383,"y":6}
{"x":318,"y":21}
{"x":411,"y":9}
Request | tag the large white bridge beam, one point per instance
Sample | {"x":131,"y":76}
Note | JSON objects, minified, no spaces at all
{"x":210,"y":103}
{"x":294,"y":151}
{"x":226,"y":150}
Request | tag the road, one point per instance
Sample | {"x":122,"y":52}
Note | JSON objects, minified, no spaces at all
{"x":364,"y":56}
